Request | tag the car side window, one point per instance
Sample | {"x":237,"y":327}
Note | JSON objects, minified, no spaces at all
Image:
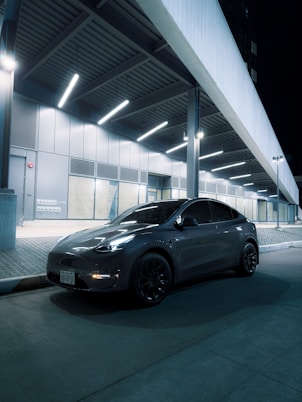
{"x":200,"y":211}
{"x":222,"y":212}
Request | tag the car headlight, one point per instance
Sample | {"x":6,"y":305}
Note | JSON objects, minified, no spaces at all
{"x":114,"y":245}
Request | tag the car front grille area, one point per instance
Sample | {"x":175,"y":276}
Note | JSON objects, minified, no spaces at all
{"x":79,"y":283}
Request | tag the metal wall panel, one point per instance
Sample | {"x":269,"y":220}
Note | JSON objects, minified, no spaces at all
{"x":76,"y":138}
{"x":114,"y":149}
{"x":81,"y":167}
{"x":102,"y":145}
{"x":107,"y":171}
{"x":143,"y":177}
{"x":24,"y":121}
{"x":125,"y":152}
{"x":62,"y":129}
{"x":46,"y":129}
{"x":127,"y":174}
{"x":89,"y":141}
{"x":135,"y":150}
{"x":143,"y":158}
{"x":51,"y":186}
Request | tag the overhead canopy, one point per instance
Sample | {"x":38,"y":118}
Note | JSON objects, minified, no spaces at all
{"x":151,"y":53}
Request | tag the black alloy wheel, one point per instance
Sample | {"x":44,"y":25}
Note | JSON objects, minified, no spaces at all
{"x":248,"y":259}
{"x":152,"y":279}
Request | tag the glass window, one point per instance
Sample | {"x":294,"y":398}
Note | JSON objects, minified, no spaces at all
{"x":200,"y":211}
{"x":223,"y":212}
{"x":153,"y":213}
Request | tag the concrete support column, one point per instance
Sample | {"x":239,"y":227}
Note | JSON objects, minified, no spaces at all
{"x":6,"y":94}
{"x":193,"y":143}
{"x":8,"y":200}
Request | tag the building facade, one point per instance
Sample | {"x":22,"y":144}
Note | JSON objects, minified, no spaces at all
{"x":65,"y":168}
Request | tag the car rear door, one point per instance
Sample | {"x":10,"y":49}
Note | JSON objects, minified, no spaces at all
{"x":229,"y":233}
{"x":196,"y":246}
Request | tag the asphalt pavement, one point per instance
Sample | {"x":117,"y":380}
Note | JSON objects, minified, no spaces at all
{"x":23,"y":268}
{"x":220,"y":339}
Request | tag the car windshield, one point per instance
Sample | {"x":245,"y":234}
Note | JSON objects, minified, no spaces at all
{"x":153,"y":213}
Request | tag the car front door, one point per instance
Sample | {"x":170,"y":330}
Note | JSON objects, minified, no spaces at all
{"x":196,"y":246}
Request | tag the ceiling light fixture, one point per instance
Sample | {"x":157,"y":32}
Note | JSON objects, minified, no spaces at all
{"x":113,"y":112}
{"x":161,"y":125}
{"x":248,"y":184}
{"x":68,"y":90}
{"x":262,"y":191}
{"x":210,"y":155}
{"x":182,"y":145}
{"x":239,"y":177}
{"x":7,"y":62}
{"x":200,"y":134}
{"x":228,"y":166}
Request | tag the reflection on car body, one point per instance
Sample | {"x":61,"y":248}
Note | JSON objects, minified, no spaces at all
{"x":149,"y":248}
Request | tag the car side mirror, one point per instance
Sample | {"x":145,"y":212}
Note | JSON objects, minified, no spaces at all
{"x":187,"y":221}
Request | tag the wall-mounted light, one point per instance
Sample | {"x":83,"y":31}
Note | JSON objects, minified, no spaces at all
{"x":200,"y":134}
{"x":228,"y":166}
{"x":113,"y":112}
{"x":68,"y":90}
{"x":7,"y":62}
{"x":210,"y":155}
{"x":153,"y":130}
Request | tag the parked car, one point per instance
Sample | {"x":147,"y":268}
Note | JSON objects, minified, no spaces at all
{"x":150,"y":248}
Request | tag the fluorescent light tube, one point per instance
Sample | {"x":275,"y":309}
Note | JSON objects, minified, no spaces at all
{"x":210,"y":155}
{"x":113,"y":112}
{"x":228,"y":166}
{"x":161,"y":125}
{"x":68,"y":90}
{"x":239,"y":177}
{"x":183,"y":144}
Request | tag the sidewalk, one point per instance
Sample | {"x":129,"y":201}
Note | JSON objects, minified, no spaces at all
{"x":24,"y":267}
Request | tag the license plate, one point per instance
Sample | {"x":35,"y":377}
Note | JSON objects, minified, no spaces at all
{"x":67,"y":277}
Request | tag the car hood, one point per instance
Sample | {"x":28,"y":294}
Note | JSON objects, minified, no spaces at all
{"x":90,"y":238}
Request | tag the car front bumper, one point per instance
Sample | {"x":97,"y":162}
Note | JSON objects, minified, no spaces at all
{"x":77,"y":272}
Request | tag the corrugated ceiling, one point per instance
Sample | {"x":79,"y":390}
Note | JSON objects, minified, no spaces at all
{"x":120,"y":55}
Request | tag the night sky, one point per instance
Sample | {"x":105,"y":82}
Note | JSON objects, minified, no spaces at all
{"x":279,"y":73}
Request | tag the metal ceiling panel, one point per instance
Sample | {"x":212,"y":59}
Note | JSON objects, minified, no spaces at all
{"x":119,"y":54}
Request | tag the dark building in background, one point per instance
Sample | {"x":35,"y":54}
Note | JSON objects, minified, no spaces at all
{"x":239,"y":16}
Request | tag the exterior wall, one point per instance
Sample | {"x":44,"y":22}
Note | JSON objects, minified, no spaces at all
{"x":200,"y":36}
{"x":76,"y":170}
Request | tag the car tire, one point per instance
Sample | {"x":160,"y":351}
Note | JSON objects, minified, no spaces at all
{"x":152,"y":279}
{"x":248,"y":260}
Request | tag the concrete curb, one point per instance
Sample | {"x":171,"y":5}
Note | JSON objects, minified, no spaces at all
{"x":280,"y":246}
{"x":19,"y":284}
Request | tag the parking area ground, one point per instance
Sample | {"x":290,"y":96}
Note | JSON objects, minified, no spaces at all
{"x":223,"y":338}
